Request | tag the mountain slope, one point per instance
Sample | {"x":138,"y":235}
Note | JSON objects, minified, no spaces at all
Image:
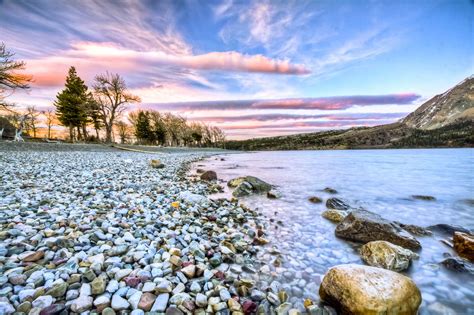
{"x":444,"y":109}
{"x":446,"y":120}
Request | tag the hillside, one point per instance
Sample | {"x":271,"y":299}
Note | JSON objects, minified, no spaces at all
{"x":444,"y":109}
{"x":446,"y":120}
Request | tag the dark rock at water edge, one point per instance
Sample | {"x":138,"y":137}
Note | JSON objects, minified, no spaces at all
{"x":330,"y":190}
{"x":315,"y":199}
{"x":209,"y":175}
{"x":248,"y":185}
{"x":365,"y":226}
{"x":423,"y":197}
{"x":337,"y":204}
{"x":458,"y":265}
{"x":448,"y":229}
{"x":415,"y":229}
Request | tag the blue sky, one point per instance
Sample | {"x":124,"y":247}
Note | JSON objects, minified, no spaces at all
{"x":312,"y":59}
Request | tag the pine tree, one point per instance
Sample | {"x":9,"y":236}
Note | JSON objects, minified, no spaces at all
{"x":71,"y":103}
{"x":143,"y":130}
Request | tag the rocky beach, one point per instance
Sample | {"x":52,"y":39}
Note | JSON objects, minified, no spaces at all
{"x":90,"y":229}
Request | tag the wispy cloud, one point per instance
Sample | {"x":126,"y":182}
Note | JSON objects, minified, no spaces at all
{"x":323,"y":103}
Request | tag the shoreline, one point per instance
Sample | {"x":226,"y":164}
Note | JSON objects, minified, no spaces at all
{"x":121,"y":245}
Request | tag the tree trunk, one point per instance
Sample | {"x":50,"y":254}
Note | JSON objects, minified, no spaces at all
{"x":84,"y":131}
{"x":71,"y":134}
{"x":108,"y":133}
{"x":97,"y":133}
{"x":49,"y":132}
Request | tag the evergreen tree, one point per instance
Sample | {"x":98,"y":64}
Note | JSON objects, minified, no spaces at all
{"x":143,"y":130}
{"x":71,"y":103}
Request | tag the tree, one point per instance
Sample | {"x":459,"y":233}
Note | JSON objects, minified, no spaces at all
{"x":123,"y":131}
{"x":50,"y":120}
{"x":31,"y":120}
{"x":159,"y":128}
{"x":71,"y":103}
{"x":112,"y":96}
{"x":143,"y":130}
{"x":10,"y":80}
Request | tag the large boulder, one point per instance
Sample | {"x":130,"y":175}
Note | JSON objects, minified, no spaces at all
{"x":356,"y":289}
{"x":365,"y":226}
{"x":448,"y":229}
{"x":247,"y":185}
{"x":386,"y":255}
{"x":464,"y":245}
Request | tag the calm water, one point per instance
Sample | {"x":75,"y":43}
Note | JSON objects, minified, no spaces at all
{"x":381,"y":181}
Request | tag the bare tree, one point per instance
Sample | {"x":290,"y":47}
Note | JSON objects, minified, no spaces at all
{"x":112,"y":96}
{"x":51,"y":119}
{"x":31,"y":120}
{"x":10,"y":80}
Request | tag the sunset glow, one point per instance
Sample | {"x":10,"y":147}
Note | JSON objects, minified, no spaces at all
{"x":252,"y":68}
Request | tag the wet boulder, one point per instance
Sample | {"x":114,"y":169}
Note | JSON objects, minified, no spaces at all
{"x":464,"y":245}
{"x":334,"y":215}
{"x":330,"y":190}
{"x":209,"y":175}
{"x":386,"y":255}
{"x":365,"y":226}
{"x":337,"y":204}
{"x":356,"y":289}
{"x":247,"y":185}
{"x":415,"y":229}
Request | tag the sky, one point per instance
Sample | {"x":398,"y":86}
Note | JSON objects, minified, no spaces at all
{"x":252,"y":68}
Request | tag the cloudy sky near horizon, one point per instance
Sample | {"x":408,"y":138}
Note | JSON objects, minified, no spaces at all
{"x":253,"y":68}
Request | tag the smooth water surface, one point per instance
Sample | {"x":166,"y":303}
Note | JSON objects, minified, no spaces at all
{"x":381,"y":181}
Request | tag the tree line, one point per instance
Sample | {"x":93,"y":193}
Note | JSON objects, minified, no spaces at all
{"x":100,"y":108}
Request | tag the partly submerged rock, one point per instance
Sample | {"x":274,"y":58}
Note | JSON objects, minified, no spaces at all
{"x":448,"y":229}
{"x":248,"y":185}
{"x":334,"y":215}
{"x":386,"y":255}
{"x":273,"y":194}
{"x":364,"y":226}
{"x":337,"y":204}
{"x":209,"y":175}
{"x":356,"y":289}
{"x":423,"y":197}
{"x":415,"y":229}
{"x":457,"y":264}
{"x":464,"y":245}
{"x":315,"y":199}
{"x":330,"y":190}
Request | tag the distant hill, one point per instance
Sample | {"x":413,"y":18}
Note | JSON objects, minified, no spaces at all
{"x":446,"y":120}
{"x":445,"y":109}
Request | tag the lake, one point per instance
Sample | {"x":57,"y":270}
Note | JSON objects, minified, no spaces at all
{"x":381,"y":181}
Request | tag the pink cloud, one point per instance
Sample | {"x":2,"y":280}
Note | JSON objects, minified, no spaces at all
{"x":90,"y":58}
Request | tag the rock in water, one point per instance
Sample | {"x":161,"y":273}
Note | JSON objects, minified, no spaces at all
{"x":315,"y":199}
{"x":464,"y":245}
{"x":330,"y":190}
{"x":356,"y":289}
{"x":423,"y":197}
{"x":457,"y":264}
{"x":386,"y":255}
{"x":448,"y":229}
{"x":337,"y":204}
{"x":247,"y":185}
{"x":209,"y":175}
{"x":364,"y":226}
{"x":334,"y":215}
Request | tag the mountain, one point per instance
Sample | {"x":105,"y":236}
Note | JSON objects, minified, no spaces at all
{"x":446,"y":120}
{"x":445,"y":109}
